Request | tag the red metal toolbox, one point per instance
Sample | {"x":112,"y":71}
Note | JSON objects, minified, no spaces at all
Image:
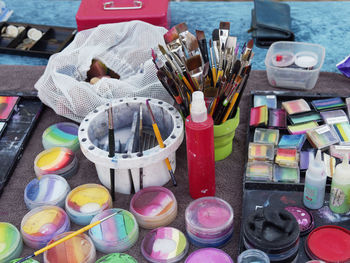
{"x":92,"y":13}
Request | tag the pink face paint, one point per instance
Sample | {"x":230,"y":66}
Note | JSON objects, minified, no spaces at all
{"x":213,"y":255}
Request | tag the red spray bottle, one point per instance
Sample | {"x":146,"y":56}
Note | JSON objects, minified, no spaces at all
{"x":200,"y":148}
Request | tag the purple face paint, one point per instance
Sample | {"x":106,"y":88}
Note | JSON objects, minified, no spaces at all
{"x":303,"y":217}
{"x":213,"y":255}
{"x":344,"y":66}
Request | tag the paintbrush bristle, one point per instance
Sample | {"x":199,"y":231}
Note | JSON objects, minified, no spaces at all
{"x":191,"y":42}
{"x":181,"y":27}
{"x":224,"y":25}
{"x":162,"y":49}
{"x":209,"y":43}
{"x":200,"y":35}
{"x":194,"y":62}
{"x":231,"y":42}
{"x":215,"y":35}
{"x":171,"y":35}
{"x":250,"y":44}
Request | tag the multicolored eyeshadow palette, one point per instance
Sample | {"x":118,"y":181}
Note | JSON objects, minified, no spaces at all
{"x":7,"y":104}
{"x":301,"y":128}
{"x":322,"y":137}
{"x":287,"y":157}
{"x":334,"y":116}
{"x":292,"y":141}
{"x":259,"y":116}
{"x":286,"y":174}
{"x":296,"y":106}
{"x":305,"y":117}
{"x":261,"y":152}
{"x":262,"y":135}
{"x":259,"y":171}
{"x":277,"y":118}
{"x":269,"y":100}
{"x":328,"y":104}
{"x":343,"y":132}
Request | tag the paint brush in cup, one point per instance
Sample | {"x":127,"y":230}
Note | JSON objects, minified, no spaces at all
{"x":160,"y":142}
{"x":82,"y":230}
{"x":111,"y":148}
{"x":141,"y":145}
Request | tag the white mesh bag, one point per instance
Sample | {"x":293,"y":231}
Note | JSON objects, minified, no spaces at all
{"x":123,"y":47}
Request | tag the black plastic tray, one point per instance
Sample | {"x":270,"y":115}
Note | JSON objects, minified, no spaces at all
{"x":53,"y":40}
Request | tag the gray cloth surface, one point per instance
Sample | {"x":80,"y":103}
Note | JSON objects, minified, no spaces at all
{"x":229,"y":172}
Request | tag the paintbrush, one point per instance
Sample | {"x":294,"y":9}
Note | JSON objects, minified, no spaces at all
{"x":140,"y":154}
{"x":206,"y":70}
{"x":130,"y":148}
{"x":182,"y":30}
{"x":213,"y":67}
{"x":160,"y":142}
{"x":216,"y":46}
{"x":82,"y":230}
{"x":111,"y":146}
{"x":224,"y":31}
{"x":230,"y":45}
{"x":194,"y":66}
{"x":247,"y":51}
{"x":202,"y":42}
{"x":220,"y":69}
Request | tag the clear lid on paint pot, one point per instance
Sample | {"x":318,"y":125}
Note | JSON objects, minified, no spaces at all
{"x":209,"y":215}
{"x":58,"y":160}
{"x":10,"y":242}
{"x":322,"y":137}
{"x":41,"y":224}
{"x":51,"y":189}
{"x":78,"y":249}
{"x":63,"y":134}
{"x":282,"y":59}
{"x":164,"y":245}
{"x":253,"y":255}
{"x":262,"y":135}
{"x":117,"y":258}
{"x":153,"y":204}
{"x":213,"y":255}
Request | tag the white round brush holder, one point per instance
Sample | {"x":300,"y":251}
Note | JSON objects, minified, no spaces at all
{"x":93,"y":138}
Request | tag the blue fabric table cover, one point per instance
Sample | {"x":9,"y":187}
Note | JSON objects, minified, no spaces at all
{"x":324,"y":23}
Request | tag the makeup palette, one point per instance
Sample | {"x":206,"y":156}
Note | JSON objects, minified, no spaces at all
{"x":77,"y":249}
{"x":292,"y":141}
{"x":322,"y":137}
{"x":269,"y":100}
{"x":286,"y":174}
{"x":287,"y":157}
{"x":343,"y":132}
{"x":117,"y":234}
{"x":58,"y":160}
{"x":7,"y":105}
{"x":164,"y":244}
{"x":304,"y":218}
{"x":63,"y":134}
{"x":277,"y":118}
{"x":328,"y":104}
{"x":259,"y":171}
{"x":43,"y":223}
{"x":253,"y":256}
{"x":51,"y":189}
{"x":305,"y":117}
{"x":339,"y":151}
{"x":305,"y":157}
{"x":334,"y":117}
{"x":117,"y":258}
{"x":11,"y":244}
{"x":262,"y":135}
{"x":301,"y":128}
{"x":86,"y":201}
{"x":261,"y":152}
{"x":153,"y":207}
{"x":296,"y":106}
{"x":209,"y":222}
{"x":212,"y":255}
{"x":259,"y":116}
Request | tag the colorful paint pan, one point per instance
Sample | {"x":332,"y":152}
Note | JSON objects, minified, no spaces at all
{"x":117,"y":258}
{"x":212,"y":255}
{"x":328,"y":104}
{"x":51,"y":189}
{"x":269,"y":100}
{"x":302,"y":128}
{"x":305,"y":157}
{"x":86,"y":201}
{"x":317,"y":245}
{"x":253,"y":256}
{"x":59,"y":160}
{"x":261,"y":151}
{"x":27,"y":261}
{"x":153,"y":207}
{"x":286,"y":174}
{"x":259,"y":171}
{"x":117,"y":234}
{"x":339,"y":151}
{"x":292,"y":141}
{"x":329,"y":163}
{"x":277,"y":118}
{"x":77,"y":249}
{"x":287,"y":157}
{"x":296,"y":106}
{"x":259,"y":116}
{"x":305,"y":117}
{"x":322,"y":137}
{"x":304,"y":218}
{"x":262,"y":135}
{"x":63,"y":134}
{"x":7,"y":104}
{"x":164,"y":245}
{"x":10,"y":242}
{"x":343,"y":132}
{"x":334,"y":117}
{"x":43,"y":223}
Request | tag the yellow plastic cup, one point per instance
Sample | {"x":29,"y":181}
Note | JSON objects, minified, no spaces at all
{"x":223,"y":137}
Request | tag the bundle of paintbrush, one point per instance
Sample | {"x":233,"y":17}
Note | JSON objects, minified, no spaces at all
{"x":187,"y":66}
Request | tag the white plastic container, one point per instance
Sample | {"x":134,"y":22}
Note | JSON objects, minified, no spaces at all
{"x":294,"y":77}
{"x":93,"y":138}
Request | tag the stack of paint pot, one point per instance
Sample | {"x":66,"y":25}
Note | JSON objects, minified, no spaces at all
{"x":10,"y":242}
{"x":273,"y":231}
{"x":153,"y":207}
{"x":116,"y":234}
{"x":209,"y":222}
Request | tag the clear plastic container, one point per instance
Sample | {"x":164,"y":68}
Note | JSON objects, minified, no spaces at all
{"x":294,"y":77}
{"x":253,"y":255}
{"x":10,"y":241}
{"x":213,"y":255}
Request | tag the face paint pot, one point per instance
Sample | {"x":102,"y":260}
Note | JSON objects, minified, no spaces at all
{"x":86,"y":201}
{"x":11,"y":244}
{"x":43,"y":223}
{"x":51,"y":189}
{"x":253,"y":256}
{"x":93,"y":138}
{"x":164,"y":245}
{"x":117,"y":258}
{"x":273,"y":231}
{"x":63,"y":134}
{"x":209,"y":222}
{"x":27,"y":261}
{"x":212,"y":255}
{"x":153,"y":207}
{"x":304,"y":218}
{"x":78,"y":249}
{"x":58,"y":160}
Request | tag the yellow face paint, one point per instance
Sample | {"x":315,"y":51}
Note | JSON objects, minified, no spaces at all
{"x":36,"y":221}
{"x":90,"y":195}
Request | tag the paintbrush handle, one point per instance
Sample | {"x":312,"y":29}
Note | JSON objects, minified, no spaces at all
{"x":232,"y":103}
{"x":215,"y":78}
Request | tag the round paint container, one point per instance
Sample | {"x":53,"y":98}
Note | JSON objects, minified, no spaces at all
{"x":27,"y":261}
{"x":58,"y":160}
{"x":212,"y":255}
{"x":50,"y":189}
{"x":153,"y":207}
{"x":86,"y":201}
{"x":273,"y":231}
{"x":116,"y":234}
{"x":10,"y":242}
{"x":43,"y":223}
{"x":78,"y":249}
{"x":117,"y":258}
{"x":63,"y":134}
{"x":318,"y":247}
{"x":209,"y":222}
{"x":303,"y":217}
{"x":282,"y":59}
{"x":253,"y":255}
{"x":306,"y":59}
{"x":164,"y":245}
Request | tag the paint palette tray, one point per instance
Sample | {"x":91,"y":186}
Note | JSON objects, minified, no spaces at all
{"x":34,"y":40}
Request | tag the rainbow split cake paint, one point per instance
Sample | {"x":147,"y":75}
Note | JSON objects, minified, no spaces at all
{"x":10,"y":242}
{"x":117,"y":258}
